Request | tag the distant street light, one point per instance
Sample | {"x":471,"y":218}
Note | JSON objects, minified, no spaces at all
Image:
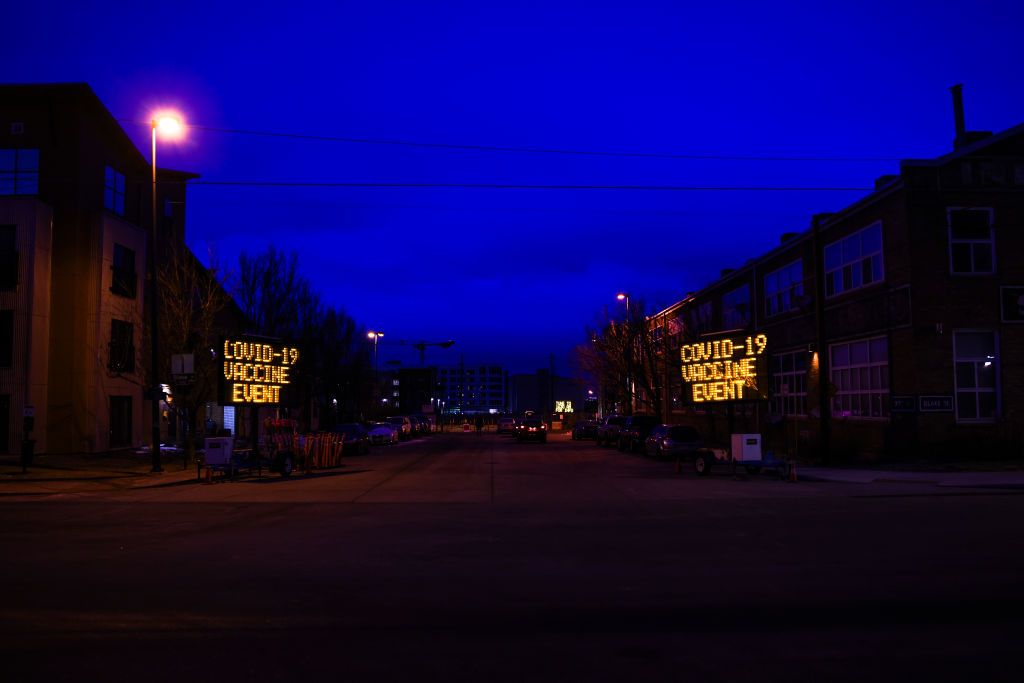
{"x":171,"y":127}
{"x":621,"y":296}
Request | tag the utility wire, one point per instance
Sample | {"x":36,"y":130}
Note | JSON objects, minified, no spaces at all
{"x":537,"y":150}
{"x":502,"y":186}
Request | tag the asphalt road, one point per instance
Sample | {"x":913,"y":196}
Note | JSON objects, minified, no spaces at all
{"x":474,"y":558}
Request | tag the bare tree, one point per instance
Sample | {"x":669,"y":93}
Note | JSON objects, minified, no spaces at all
{"x":192,"y":300}
{"x":623,"y":356}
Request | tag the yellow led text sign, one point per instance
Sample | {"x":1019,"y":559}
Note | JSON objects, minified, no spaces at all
{"x":725,"y":369}
{"x":255,"y":372}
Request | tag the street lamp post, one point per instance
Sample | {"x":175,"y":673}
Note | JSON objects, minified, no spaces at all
{"x":375,"y":336}
{"x":622,"y":296}
{"x":171,"y":125}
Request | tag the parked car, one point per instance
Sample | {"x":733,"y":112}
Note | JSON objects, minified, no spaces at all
{"x":673,"y":442}
{"x":404,"y":426}
{"x":532,"y":428}
{"x":634,"y":432}
{"x":506,"y":425}
{"x":585,"y":429}
{"x":382,"y":434}
{"x":354,"y":437}
{"x":420,"y":425}
{"x":608,"y":432}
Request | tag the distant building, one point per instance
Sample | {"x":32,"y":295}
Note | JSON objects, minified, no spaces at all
{"x":465,"y":389}
{"x":893,"y":328}
{"x":545,"y":393}
{"x":75,"y":218}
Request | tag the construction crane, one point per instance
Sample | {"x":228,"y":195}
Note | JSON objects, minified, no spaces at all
{"x":421,"y":346}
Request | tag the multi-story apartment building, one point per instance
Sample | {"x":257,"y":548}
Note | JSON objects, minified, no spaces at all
{"x":75,"y":218}
{"x":894,"y":327}
{"x":471,"y":389}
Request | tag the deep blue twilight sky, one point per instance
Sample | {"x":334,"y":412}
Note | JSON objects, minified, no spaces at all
{"x":516,"y":274}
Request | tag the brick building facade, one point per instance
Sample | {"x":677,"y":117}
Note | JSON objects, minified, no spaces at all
{"x":895,"y":327}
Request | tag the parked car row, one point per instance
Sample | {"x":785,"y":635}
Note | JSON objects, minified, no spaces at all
{"x":644,"y":433}
{"x":358,"y":437}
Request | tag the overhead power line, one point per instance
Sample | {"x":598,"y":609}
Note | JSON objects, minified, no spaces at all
{"x":540,"y":150}
{"x":503,"y":186}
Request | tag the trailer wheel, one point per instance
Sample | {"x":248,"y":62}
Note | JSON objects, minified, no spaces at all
{"x":702,"y":464}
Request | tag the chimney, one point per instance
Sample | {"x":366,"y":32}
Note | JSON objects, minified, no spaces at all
{"x":958,"y":113}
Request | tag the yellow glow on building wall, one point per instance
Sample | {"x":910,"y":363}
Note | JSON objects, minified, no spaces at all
{"x":728,"y":369}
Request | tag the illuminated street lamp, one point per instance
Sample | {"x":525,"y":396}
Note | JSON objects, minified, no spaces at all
{"x":375,"y":336}
{"x":622,"y":296}
{"x":171,"y":127}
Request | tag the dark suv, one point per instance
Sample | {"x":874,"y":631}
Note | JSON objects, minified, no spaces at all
{"x":634,"y":432}
{"x":608,"y":432}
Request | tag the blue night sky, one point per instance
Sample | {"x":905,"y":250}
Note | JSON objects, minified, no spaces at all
{"x":514,"y":275}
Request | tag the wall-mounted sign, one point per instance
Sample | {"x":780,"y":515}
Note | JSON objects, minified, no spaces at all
{"x":255,"y":372}
{"x":936,"y":404}
{"x":903,"y":404}
{"x":727,"y":369}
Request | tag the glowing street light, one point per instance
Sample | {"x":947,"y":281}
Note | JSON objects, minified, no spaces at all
{"x":622,"y":296}
{"x":170,"y":126}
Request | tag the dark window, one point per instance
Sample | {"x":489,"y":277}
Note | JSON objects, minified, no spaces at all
{"x":19,"y":171}
{"x":8,"y":257}
{"x":113,"y":191}
{"x":124,"y":279}
{"x":122,"y":346}
{"x":971,"y":241}
{"x":6,"y":338}
{"x":120,"y":421}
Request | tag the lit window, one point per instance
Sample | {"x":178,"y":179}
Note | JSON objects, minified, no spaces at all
{"x":19,"y":171}
{"x":113,"y":191}
{"x":975,"y":375}
{"x":860,"y":378}
{"x":970,"y":241}
{"x":736,"y":308}
{"x":854,"y":261}
{"x":782,"y":287}
{"x":788,"y":373}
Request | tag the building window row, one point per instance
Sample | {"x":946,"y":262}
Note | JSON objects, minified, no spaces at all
{"x":860,"y":378}
{"x":854,"y":261}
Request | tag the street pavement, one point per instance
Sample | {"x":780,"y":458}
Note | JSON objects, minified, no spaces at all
{"x":461,"y":557}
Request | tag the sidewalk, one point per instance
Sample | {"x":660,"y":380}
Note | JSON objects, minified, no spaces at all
{"x":79,"y":473}
{"x":1007,"y":478}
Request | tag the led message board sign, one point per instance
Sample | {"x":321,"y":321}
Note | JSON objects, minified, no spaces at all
{"x":727,"y":369}
{"x":255,"y":372}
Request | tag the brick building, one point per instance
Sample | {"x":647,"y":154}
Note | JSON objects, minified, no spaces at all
{"x":75,"y":217}
{"x":894,"y":328}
